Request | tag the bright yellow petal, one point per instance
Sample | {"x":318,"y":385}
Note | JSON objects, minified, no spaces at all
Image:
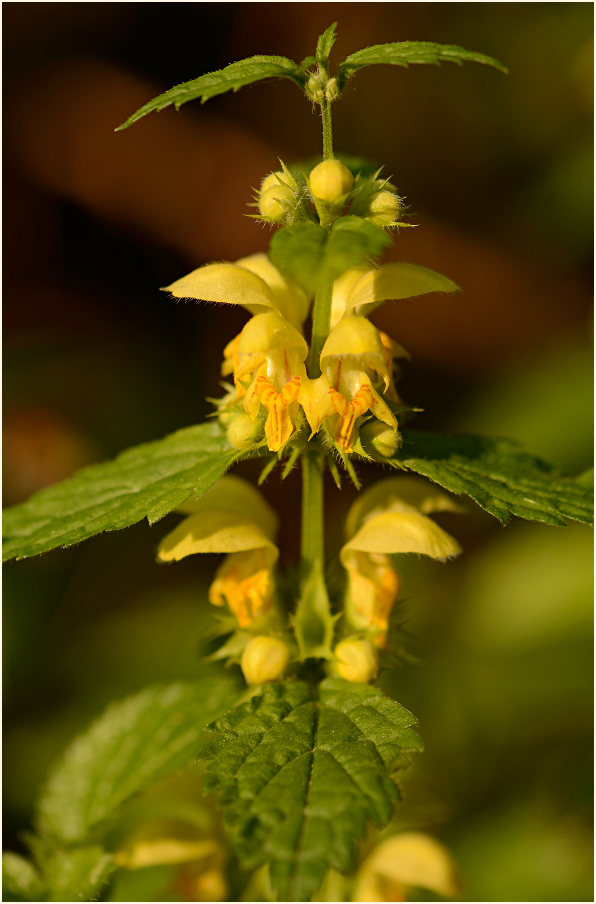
{"x":154,"y":851}
{"x":292,"y":302}
{"x":356,"y":337}
{"x":316,"y":401}
{"x":233,"y":494}
{"x":412,"y":860}
{"x":342,"y":287}
{"x":392,"y":282}
{"x":396,"y":494}
{"x":225,"y":283}
{"x":402,"y":532}
{"x":282,"y":409}
{"x":214,"y":531}
{"x":267,"y":332}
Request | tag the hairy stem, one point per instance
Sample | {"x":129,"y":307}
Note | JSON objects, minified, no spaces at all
{"x":313,"y":621}
{"x":327,"y":130}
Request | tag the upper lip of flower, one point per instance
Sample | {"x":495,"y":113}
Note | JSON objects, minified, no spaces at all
{"x":231,"y":517}
{"x":391,"y":517}
{"x":361,"y":290}
{"x":253,"y":282}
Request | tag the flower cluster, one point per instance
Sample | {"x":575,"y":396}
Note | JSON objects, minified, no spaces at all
{"x":329,"y":189}
{"x":271,"y":394}
{"x":389,"y":519}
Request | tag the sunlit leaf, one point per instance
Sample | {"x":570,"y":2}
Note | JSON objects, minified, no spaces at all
{"x":498,"y":475}
{"x":230,"y":78}
{"x":300,"y":773}
{"x":147,"y":481}
{"x":409,"y":53}
{"x":133,"y":744}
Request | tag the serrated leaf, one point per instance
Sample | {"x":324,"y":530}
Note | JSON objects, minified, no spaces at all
{"x":78,"y":874}
{"x":133,"y":744}
{"x":409,"y":53}
{"x":308,"y":254}
{"x":498,"y":475}
{"x":230,"y":78}
{"x":352,"y":243}
{"x":325,"y":44}
{"x":20,"y":879}
{"x":147,"y":481}
{"x":300,"y":776}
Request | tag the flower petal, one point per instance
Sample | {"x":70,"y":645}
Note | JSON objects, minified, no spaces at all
{"x":402,"y":532}
{"x":226,"y":283}
{"x":410,"y":860}
{"x":233,"y":494}
{"x":392,"y":282}
{"x":399,"y":494}
{"x":291,"y":300}
{"x":342,"y":288}
{"x":214,"y":530}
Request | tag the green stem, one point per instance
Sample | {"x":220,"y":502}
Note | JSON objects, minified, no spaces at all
{"x":327,"y":130}
{"x":313,"y":622}
{"x":312,"y":541}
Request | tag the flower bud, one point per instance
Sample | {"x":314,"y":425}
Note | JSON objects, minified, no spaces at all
{"x":384,"y":209}
{"x":330,"y":181}
{"x":356,"y":660}
{"x":378,"y":439}
{"x":314,"y":89}
{"x":332,"y":89}
{"x":244,"y":432}
{"x":264,"y":659}
{"x":273,"y":201}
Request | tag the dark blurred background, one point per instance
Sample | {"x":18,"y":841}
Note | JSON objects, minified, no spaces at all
{"x":497,"y":171}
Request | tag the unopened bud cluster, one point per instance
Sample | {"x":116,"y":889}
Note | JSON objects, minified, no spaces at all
{"x":329,"y":190}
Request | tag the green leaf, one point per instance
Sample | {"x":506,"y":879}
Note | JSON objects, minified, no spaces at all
{"x":78,"y":874}
{"x":408,"y":53}
{"x":325,"y":44}
{"x":299,"y":776}
{"x":308,"y":254}
{"x":20,"y":879}
{"x":298,"y":251}
{"x":497,"y":475}
{"x":133,"y":744}
{"x":352,"y":243}
{"x":147,"y":481}
{"x":230,"y":78}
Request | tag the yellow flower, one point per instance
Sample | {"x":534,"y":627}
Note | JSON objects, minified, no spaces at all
{"x":389,"y":518}
{"x":233,"y":518}
{"x":252,"y":282}
{"x":271,"y":354}
{"x":361,"y":290}
{"x":407,"y":861}
{"x":352,"y":359}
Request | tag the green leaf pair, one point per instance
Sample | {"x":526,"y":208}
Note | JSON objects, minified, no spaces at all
{"x":256,"y":68}
{"x":151,"y":480}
